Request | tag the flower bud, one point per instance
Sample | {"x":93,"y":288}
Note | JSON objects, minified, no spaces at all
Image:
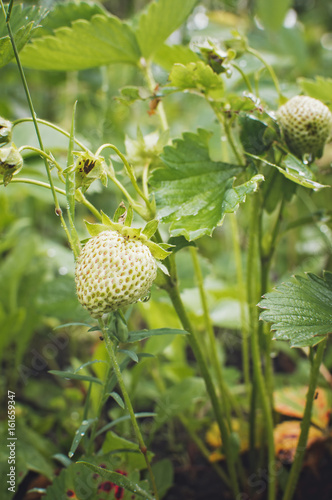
{"x":88,"y":168}
{"x":5,"y":131}
{"x":11,"y":162}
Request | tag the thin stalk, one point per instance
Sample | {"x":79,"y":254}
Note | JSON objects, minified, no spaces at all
{"x":139,"y":208}
{"x":225,"y":123}
{"x":102,"y":401}
{"x":186,"y":424}
{"x":46,"y":156}
{"x":25,"y":180}
{"x":152,"y":84}
{"x":79,"y":196}
{"x":55,"y":127}
{"x":58,"y":210}
{"x":244,"y":76}
{"x":223,"y":389}
{"x":194,"y":342}
{"x":131,"y":175}
{"x":268,"y":66}
{"x":253,"y":297}
{"x":266,"y":256}
{"x":305,"y":424}
{"x":241,"y":288}
{"x":112,"y":355}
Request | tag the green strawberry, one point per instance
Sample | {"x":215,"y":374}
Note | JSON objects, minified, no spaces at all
{"x":113,"y":271}
{"x":305,"y":124}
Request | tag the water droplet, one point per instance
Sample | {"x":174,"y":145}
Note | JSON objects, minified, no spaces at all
{"x":82,"y":434}
{"x":146,"y":297}
{"x":84,"y":422}
{"x":70,"y":454}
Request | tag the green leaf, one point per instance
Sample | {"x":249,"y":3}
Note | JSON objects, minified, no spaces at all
{"x":194,"y":193}
{"x":178,"y":398}
{"x":164,"y":475}
{"x":272,"y":13}
{"x":107,"y":40}
{"x":89,"y":363}
{"x":75,"y":376}
{"x":118,"y":479}
{"x":79,"y":434}
{"x":63,"y":14}
{"x":118,"y":399}
{"x":145,"y":334}
{"x":23,"y":21}
{"x":293,"y":169}
{"x":150,"y":228}
{"x":300,"y":310}
{"x":199,"y":77}
{"x":159,"y":21}
{"x":320,"y":88}
{"x":252,"y":134}
{"x":132,"y":354}
{"x":168,"y":55}
{"x":122,"y":419}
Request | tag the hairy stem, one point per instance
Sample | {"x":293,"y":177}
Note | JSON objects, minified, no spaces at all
{"x":253,"y":297}
{"x":305,"y":424}
{"x":112,"y":355}
{"x":174,"y":294}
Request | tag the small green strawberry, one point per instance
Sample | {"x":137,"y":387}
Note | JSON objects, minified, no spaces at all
{"x":306,"y":125}
{"x":116,"y":267}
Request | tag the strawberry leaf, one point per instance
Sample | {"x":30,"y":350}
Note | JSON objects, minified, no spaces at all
{"x":300,"y":310}
{"x":197,"y":77}
{"x":23,"y":21}
{"x":293,"y":169}
{"x":193,"y":192}
{"x":107,"y":40}
{"x":159,"y":21}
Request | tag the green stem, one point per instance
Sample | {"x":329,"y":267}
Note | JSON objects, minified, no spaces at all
{"x":130,"y":174}
{"x":79,"y":196}
{"x":152,"y":84}
{"x":241,"y":289}
{"x":102,"y":400}
{"x":25,"y":180}
{"x":47,"y":157}
{"x":244,"y":76}
{"x":55,"y":127}
{"x":58,"y":210}
{"x":223,"y":389}
{"x":112,"y":355}
{"x":275,"y":80}
{"x":226,"y":125}
{"x":253,"y":297}
{"x":266,"y":256}
{"x":305,"y":424}
{"x":174,"y":295}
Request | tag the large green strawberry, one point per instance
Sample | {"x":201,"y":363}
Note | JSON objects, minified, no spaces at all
{"x":113,"y":271}
{"x":305,"y":125}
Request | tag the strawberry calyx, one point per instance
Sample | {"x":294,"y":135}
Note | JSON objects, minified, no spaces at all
{"x":158,"y":251}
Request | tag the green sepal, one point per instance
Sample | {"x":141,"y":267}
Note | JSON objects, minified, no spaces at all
{"x":129,"y":217}
{"x":95,"y":229}
{"x":159,"y":252}
{"x":150,"y":228}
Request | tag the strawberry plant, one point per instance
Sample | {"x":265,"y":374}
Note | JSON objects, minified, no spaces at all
{"x":183,"y":243}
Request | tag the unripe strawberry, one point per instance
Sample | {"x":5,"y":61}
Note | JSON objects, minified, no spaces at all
{"x":113,"y":271}
{"x":305,"y":125}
